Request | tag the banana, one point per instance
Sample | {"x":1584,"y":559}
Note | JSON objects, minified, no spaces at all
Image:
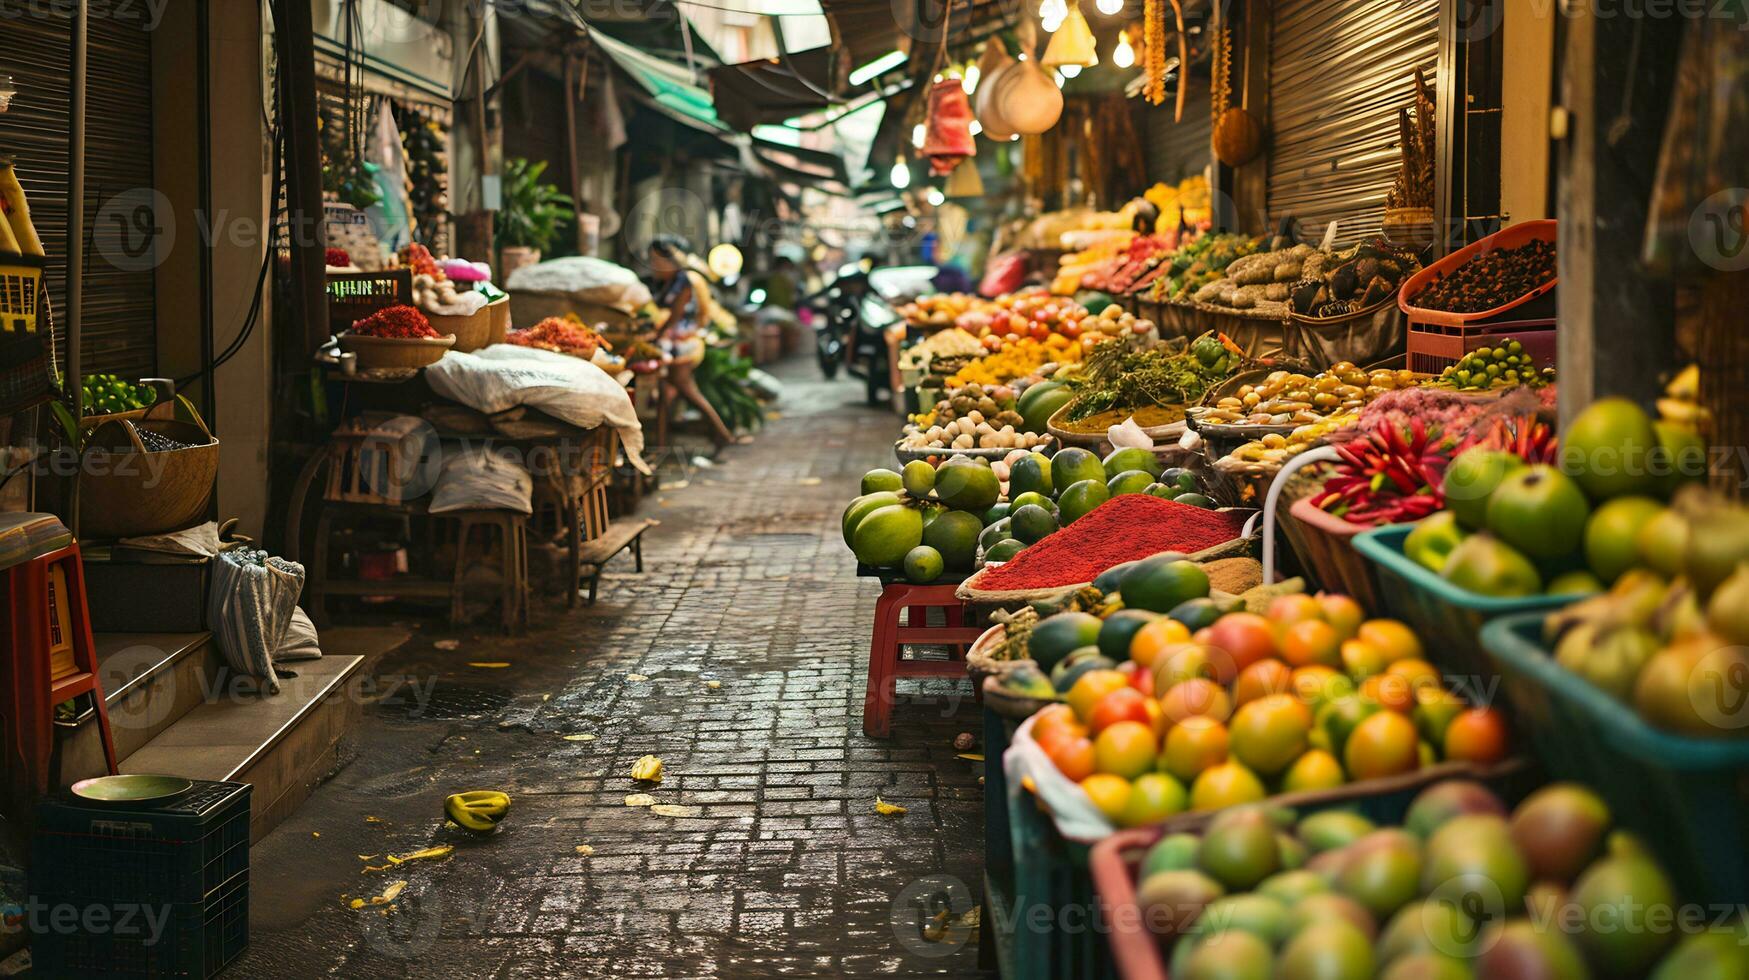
{"x":17,"y":212}
{"x":1686,"y":385}
{"x":477,"y":810}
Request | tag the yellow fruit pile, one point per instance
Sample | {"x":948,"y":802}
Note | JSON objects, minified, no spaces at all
{"x":1017,"y":360}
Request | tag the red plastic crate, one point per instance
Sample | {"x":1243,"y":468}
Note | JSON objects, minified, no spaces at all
{"x":1510,"y":237}
{"x":1113,"y":864}
{"x":1433,"y":347}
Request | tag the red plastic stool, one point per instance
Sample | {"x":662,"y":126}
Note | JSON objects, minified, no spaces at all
{"x":886,"y":658}
{"x":51,"y":659}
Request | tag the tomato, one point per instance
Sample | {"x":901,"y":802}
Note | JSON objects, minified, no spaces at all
{"x":1123,"y":704}
{"x":1243,"y":638}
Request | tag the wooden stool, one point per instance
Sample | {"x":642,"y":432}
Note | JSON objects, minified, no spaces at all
{"x":51,"y":660}
{"x":513,"y":533}
{"x":886,"y":658}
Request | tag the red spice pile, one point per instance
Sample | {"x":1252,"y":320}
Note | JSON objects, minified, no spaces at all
{"x":336,"y":256}
{"x":395,"y":323}
{"x":1125,"y":528}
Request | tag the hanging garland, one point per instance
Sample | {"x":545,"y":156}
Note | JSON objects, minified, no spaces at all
{"x":1154,"y":53}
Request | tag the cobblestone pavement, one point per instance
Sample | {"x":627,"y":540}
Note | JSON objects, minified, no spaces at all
{"x":783,"y":867}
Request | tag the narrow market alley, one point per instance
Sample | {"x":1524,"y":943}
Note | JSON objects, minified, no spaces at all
{"x":738,"y":657}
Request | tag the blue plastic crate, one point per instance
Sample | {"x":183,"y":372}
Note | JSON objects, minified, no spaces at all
{"x":1687,"y":798}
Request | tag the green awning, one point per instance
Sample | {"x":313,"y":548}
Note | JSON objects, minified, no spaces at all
{"x":670,"y":87}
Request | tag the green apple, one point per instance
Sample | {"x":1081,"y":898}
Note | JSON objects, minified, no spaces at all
{"x":1612,"y":535}
{"x":1487,"y":566}
{"x":1471,"y":479}
{"x":1541,"y":512}
{"x":1432,"y":541}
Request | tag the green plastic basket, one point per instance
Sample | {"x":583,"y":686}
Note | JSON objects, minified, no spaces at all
{"x":1448,"y":618}
{"x":1687,"y":798}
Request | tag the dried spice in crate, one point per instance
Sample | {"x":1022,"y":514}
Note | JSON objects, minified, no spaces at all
{"x":1491,"y":279}
{"x":1125,"y":528}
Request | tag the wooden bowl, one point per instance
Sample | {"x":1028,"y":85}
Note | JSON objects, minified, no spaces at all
{"x":395,"y":352}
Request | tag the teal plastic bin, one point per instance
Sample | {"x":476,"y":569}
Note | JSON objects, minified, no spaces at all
{"x":1687,"y":798}
{"x":1448,"y":619}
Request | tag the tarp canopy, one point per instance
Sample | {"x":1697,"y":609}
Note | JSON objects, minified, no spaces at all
{"x":670,"y":86}
{"x":774,"y":89}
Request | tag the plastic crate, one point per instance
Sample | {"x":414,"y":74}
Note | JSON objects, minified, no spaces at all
{"x":1448,"y":617}
{"x":1056,"y":927}
{"x":21,"y":279}
{"x":194,"y":941}
{"x":1434,"y":347}
{"x":1687,"y":798}
{"x":1509,"y":237}
{"x":179,"y":853}
{"x":352,"y":296}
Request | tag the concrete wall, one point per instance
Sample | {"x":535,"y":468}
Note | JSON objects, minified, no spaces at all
{"x":233,"y":231}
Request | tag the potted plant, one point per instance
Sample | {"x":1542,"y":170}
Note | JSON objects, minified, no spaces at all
{"x":532,"y":216}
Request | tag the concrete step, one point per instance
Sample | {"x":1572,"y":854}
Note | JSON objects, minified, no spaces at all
{"x":282,"y":743}
{"x":152,"y":679}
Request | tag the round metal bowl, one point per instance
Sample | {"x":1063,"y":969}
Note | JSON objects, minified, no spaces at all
{"x":131,"y":788}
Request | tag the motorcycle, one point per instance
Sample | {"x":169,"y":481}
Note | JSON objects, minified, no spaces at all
{"x":854,"y":315}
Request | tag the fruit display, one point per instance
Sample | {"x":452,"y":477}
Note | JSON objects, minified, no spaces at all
{"x":925,"y":521}
{"x":1516,"y":527}
{"x":1200,"y":262}
{"x":941,"y":347}
{"x":1017,"y":359}
{"x":1222,"y":707}
{"x":939,"y":309}
{"x":1092,"y":267}
{"x":1491,"y":279}
{"x":1151,"y":383}
{"x":1495,"y":367}
{"x":1291,"y":398}
{"x":1465,"y":887}
{"x":1267,"y":453}
{"x":1351,"y":280}
{"x":106,"y":394}
{"x":1185,"y":203}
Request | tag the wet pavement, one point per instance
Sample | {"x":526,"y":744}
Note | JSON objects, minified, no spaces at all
{"x":777,"y":865}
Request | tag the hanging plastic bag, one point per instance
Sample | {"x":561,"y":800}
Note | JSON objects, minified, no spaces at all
{"x":948,"y":137}
{"x":253,"y":597}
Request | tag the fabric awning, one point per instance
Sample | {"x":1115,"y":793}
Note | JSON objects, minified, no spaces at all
{"x":670,"y":88}
{"x":774,"y":89}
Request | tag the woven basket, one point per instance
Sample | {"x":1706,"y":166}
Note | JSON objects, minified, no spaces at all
{"x":395,"y":352}
{"x":471,"y":332}
{"x":133,"y":492}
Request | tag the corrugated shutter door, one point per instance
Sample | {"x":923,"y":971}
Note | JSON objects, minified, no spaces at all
{"x":119,"y":327}
{"x":1177,"y":150}
{"x":1339,"y":70}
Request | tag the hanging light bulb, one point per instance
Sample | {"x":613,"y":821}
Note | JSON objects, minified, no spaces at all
{"x":935,"y":197}
{"x":1109,"y":7}
{"x":901,"y":175}
{"x":1052,"y":12}
{"x":918,"y":134}
{"x":969,"y":81}
{"x":1051,"y":24}
{"x":1123,"y":55}
{"x":1070,"y":71}
{"x":1057,"y":76}
{"x":975,"y":128}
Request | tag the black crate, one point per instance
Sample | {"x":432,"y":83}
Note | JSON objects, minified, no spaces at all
{"x":72,"y":936}
{"x":179,"y":852}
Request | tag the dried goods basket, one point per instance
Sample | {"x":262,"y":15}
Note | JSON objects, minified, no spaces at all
{"x":1687,"y":798}
{"x":1434,"y":607}
{"x":352,"y":296}
{"x":1511,"y":237}
{"x":126,"y":491}
{"x":471,"y":332}
{"x":1361,"y":337}
{"x":396,"y":352}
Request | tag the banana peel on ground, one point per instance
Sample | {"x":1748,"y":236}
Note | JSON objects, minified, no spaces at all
{"x":648,"y":769}
{"x":477,"y":810}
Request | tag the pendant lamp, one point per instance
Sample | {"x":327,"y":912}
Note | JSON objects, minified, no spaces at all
{"x":1072,"y":44}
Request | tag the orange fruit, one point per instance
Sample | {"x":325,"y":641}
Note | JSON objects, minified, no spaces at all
{"x":1393,"y":639}
{"x":1317,"y":769}
{"x":1289,"y":609}
{"x":1341,"y":612}
{"x":1055,"y":717}
{"x":1126,"y":749}
{"x":1262,"y":678}
{"x":1391,"y":691}
{"x":1156,"y":638}
{"x":1361,"y":659}
{"x":1225,"y":785}
{"x":1419,"y":673}
{"x":1311,"y":641}
{"x":1384,"y":744}
{"x":1181,"y":663}
{"x":1317,"y":684}
{"x":1196,"y":697}
{"x":1236,"y":641}
{"x":1123,"y":704}
{"x":1072,"y":755}
{"x":1268,"y":734}
{"x":1195,"y":745}
{"x":1090,"y":688}
{"x":1477,"y":735}
{"x":1154,"y":796}
{"x":1110,"y":793}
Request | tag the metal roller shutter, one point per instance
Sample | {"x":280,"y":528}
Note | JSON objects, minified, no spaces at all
{"x":1176,"y":150}
{"x":1339,"y":70}
{"x":120,"y":329}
